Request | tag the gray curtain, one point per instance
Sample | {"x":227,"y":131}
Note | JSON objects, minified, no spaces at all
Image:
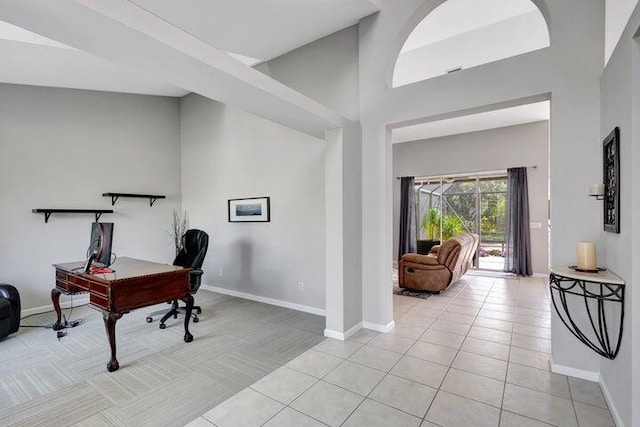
{"x":518,"y":237}
{"x":408,"y":240}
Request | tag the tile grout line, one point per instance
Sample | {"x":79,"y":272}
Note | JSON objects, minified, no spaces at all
{"x":527,"y":388}
{"x":416,"y":340}
{"x":506,"y":374}
{"x":387,"y":373}
{"x":508,"y":360}
{"x":573,"y":402}
{"x":454,"y":358}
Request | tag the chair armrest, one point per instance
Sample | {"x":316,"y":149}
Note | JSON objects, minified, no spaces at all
{"x":195,"y":275}
{"x":420,"y":259}
{"x":434,"y":249}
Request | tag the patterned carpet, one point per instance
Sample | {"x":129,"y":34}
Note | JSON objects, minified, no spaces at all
{"x":162,"y":381}
{"x":410,"y":293}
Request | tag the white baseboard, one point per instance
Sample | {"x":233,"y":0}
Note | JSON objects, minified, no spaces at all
{"x":265,"y":300}
{"x":378,"y":327}
{"x":574,"y":372}
{"x":330,"y":333}
{"x":77,"y":300}
{"x":612,"y":408}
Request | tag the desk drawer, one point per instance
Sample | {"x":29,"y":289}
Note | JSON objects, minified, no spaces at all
{"x":152,"y":290}
{"x":99,"y":301}
{"x":69,"y":288}
{"x":71,"y":285}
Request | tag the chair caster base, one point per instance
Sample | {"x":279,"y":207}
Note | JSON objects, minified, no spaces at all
{"x":196,"y":319}
{"x":163,"y":326}
{"x":199,"y":310}
{"x":149,"y":319}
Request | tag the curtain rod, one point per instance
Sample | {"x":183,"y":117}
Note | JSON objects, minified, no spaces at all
{"x":469,"y":173}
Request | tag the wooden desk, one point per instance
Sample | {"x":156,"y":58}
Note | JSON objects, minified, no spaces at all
{"x":133,"y":284}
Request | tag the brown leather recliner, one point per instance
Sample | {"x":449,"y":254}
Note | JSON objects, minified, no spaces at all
{"x":435,"y":272}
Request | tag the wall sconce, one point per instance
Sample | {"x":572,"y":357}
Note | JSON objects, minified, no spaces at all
{"x":597,"y":191}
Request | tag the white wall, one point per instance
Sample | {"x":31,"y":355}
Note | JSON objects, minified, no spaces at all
{"x":510,"y":37}
{"x":226,"y":154}
{"x":325,"y":70}
{"x":620,"y":106}
{"x":490,"y":150}
{"x":616,"y":18}
{"x":567,"y":72}
{"x":63,"y":148}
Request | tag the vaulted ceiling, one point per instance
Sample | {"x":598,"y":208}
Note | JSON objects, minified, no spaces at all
{"x":164,"y":47}
{"x":250,"y":30}
{"x":261,"y":29}
{"x":174,"y":50}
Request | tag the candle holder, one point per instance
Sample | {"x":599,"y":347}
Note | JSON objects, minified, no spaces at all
{"x":581,"y":270}
{"x":597,"y":191}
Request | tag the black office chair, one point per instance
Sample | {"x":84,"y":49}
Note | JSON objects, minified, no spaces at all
{"x":194,"y":249}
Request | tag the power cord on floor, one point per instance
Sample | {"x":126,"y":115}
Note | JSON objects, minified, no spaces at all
{"x":65,"y":325}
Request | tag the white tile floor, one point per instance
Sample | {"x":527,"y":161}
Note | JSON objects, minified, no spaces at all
{"x":476,"y":355}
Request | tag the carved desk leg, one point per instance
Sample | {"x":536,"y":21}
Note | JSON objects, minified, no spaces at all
{"x":55,"y":298}
{"x":187,"y":317}
{"x":110,"y":320}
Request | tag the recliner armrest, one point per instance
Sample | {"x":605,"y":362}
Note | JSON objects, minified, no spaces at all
{"x":12,"y":295}
{"x":420,"y":259}
{"x":9,"y":292}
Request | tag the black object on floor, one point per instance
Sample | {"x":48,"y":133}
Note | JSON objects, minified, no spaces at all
{"x":412,"y":293}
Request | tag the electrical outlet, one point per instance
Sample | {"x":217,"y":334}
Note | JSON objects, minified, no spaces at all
{"x":301,"y":286}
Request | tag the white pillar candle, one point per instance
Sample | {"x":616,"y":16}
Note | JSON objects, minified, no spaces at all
{"x":596,"y":189}
{"x":587,"y":256}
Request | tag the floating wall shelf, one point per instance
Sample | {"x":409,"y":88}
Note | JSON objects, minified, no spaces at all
{"x":152,"y":197}
{"x":47,"y":212}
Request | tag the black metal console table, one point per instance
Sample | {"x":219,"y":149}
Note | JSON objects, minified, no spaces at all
{"x":601,"y":289}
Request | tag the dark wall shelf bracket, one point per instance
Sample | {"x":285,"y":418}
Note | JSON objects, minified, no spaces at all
{"x":152,"y":197}
{"x":601,"y":291}
{"x":47,"y":212}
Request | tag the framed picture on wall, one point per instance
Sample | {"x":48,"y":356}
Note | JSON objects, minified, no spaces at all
{"x":611,"y":176}
{"x":252,"y":209}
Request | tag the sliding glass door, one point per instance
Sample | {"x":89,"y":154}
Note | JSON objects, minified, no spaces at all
{"x":449,"y":206}
{"x":492,"y":196}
